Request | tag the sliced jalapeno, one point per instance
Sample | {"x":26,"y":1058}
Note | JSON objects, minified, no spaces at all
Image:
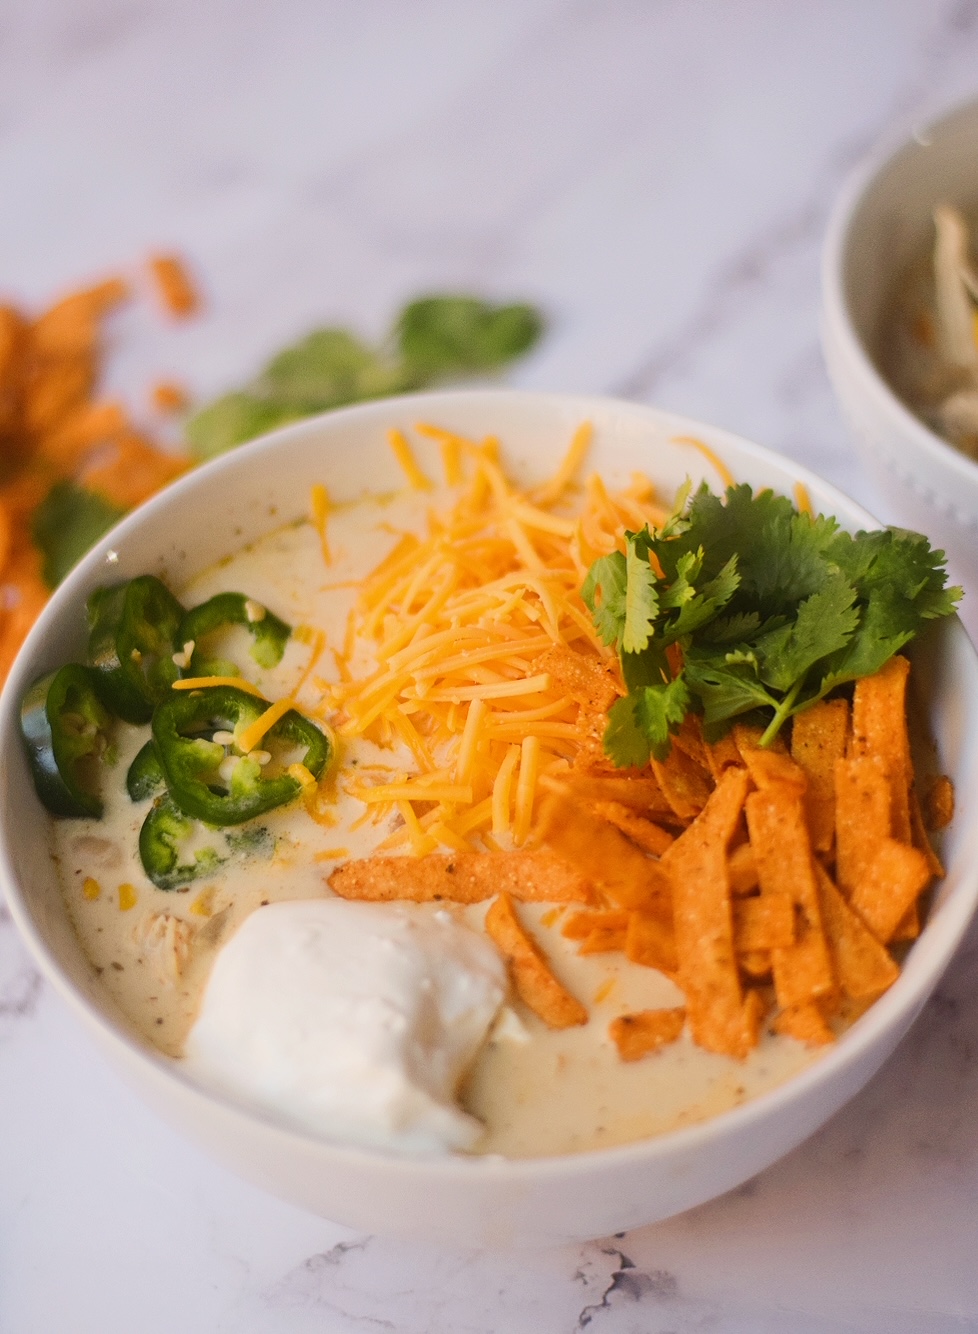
{"x":65,"y":727}
{"x":269,"y":633}
{"x":145,"y":777}
{"x":162,"y":837}
{"x":132,"y":638}
{"x":205,"y":773}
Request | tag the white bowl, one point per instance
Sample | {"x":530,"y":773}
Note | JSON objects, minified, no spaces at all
{"x":458,"y":1200}
{"x":882,"y":219}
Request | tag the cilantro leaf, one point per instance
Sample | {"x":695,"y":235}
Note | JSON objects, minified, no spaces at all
{"x":440,"y":336}
{"x":825,"y":623}
{"x":641,"y":600}
{"x":603,"y":592}
{"x":67,"y":522}
{"x":640,"y":723}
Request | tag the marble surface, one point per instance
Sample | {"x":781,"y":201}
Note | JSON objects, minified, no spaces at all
{"x":657,"y":176}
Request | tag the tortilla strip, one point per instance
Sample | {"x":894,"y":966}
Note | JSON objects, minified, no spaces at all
{"x":755,"y":964}
{"x":920,"y":836}
{"x":779,"y":835}
{"x":685,"y":784}
{"x":862,"y":816}
{"x":764,"y":922}
{"x":637,"y":1035}
{"x":639,"y":792}
{"x":747,"y":736}
{"x":532,"y":979}
{"x":938,"y":803}
{"x":862,"y":965}
{"x":719,"y":1017}
{"x":892,"y":881}
{"x":806,"y":1023}
{"x":461,"y":877}
{"x":642,"y":832}
{"x":651,"y":942}
{"x":767,"y":767}
{"x":818,"y":738}
{"x":722,"y":754}
{"x":590,"y":684}
{"x":879,"y":727}
{"x":742,"y":869}
{"x":601,"y":854}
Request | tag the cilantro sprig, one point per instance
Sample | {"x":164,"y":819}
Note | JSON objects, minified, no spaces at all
{"x":742,"y":603}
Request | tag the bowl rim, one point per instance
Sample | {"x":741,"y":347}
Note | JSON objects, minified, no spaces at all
{"x":837,"y":322}
{"x":923,"y":968}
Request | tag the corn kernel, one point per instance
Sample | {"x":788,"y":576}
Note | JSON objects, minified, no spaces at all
{"x":91,"y":889}
{"x":127,"y":897}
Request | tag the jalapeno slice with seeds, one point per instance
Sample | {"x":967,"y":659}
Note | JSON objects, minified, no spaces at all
{"x":210,"y":779}
{"x":162,"y":836}
{"x":65,"y":728}
{"x":132,"y":639}
{"x":269,"y":633}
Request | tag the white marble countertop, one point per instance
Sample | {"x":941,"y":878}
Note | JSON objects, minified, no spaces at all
{"x":657,"y":176}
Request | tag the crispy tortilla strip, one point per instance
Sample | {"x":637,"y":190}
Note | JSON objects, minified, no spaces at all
{"x":461,"y":877}
{"x":779,"y":836}
{"x":690,"y":741}
{"x":637,"y":1035}
{"x":908,"y":927}
{"x":685,"y":784}
{"x":764,"y":922}
{"x":892,"y":881}
{"x":55,"y":388}
{"x":742,"y":869}
{"x":642,"y":832}
{"x":175,"y":288}
{"x":622,"y":873}
{"x":920,"y":836}
{"x":131,"y":470}
{"x":862,"y":965}
{"x":70,"y":326}
{"x":532,"y":979}
{"x":599,"y":932}
{"x":651,"y":942}
{"x":938,"y":803}
{"x":879,"y":727}
{"x":722,"y":754}
{"x":747,"y":736}
{"x":804,"y":1022}
{"x":862,"y":816}
{"x":755,"y":964}
{"x":591,"y":684}
{"x":769,"y":767}
{"x":819,"y":736}
{"x":637,"y":791}
{"x":720,"y":1020}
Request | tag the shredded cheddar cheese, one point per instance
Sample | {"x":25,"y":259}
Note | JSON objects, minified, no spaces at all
{"x":458,"y":621}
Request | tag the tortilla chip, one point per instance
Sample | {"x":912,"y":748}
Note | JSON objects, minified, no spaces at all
{"x":764,"y":922}
{"x":767,"y":767}
{"x":938,"y":803}
{"x":891,"y":882}
{"x":643,"y":833}
{"x":862,"y":965}
{"x":742,"y":869}
{"x":819,"y":736}
{"x":862,"y":816}
{"x":920,"y":837}
{"x":529,"y":970}
{"x":637,"y":1035}
{"x":804,"y":1022}
{"x":651,"y":942}
{"x":623,"y":874}
{"x":720,"y":1019}
{"x":599,"y":932}
{"x":461,"y":877}
{"x":755,"y":964}
{"x":638,"y":791}
{"x":747,"y":736}
{"x":686,"y":785}
{"x":722,"y":754}
{"x":779,"y":837}
{"x":879,"y":727}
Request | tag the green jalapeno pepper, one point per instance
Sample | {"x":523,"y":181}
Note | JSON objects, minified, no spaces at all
{"x":163,"y":832}
{"x":269,"y":633}
{"x":132,"y":639}
{"x":65,"y":727}
{"x":145,"y":777}
{"x":207,"y":778}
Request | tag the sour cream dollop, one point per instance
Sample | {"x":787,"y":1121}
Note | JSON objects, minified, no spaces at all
{"x":355,"y":1021}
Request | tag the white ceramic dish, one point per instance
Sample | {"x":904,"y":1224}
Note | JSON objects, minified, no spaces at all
{"x":467,"y":1201}
{"x":883,"y":218}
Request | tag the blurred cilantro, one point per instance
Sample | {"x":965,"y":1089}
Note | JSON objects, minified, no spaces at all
{"x":66,"y":523}
{"x":434,"y":339}
{"x":770,"y":609}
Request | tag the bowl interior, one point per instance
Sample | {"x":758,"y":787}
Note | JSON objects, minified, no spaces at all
{"x":237,"y":498}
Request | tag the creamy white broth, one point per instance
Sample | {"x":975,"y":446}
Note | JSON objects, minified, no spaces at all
{"x":539,"y":1091}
